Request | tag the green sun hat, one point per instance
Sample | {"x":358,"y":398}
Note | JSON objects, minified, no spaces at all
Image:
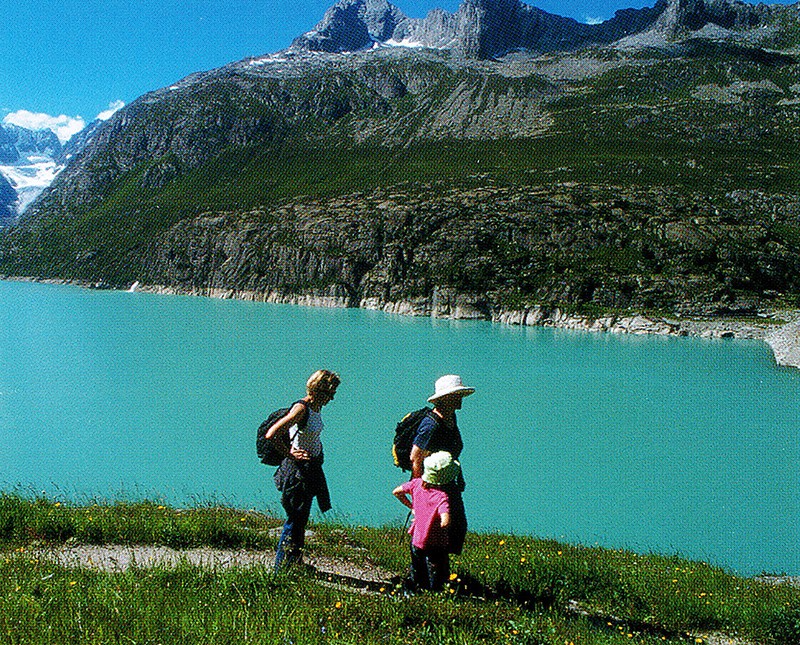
{"x":440,"y":468}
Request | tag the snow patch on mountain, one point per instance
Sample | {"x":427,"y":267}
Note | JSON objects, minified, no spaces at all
{"x":35,"y":148}
{"x":30,"y":179}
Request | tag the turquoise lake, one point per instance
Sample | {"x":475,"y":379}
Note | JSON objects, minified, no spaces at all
{"x":671,"y":445}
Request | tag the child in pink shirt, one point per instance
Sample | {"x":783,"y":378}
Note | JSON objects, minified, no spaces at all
{"x":430,"y":562}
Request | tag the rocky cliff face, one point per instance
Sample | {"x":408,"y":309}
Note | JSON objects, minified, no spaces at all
{"x":684,"y":16}
{"x":20,"y":144}
{"x":351,"y":25}
{"x":485,"y":29}
{"x":474,"y":253}
{"x":8,"y":198}
{"x":80,"y":140}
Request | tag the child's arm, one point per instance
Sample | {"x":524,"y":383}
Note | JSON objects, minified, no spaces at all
{"x":445,"y":519}
{"x":401,"y":495}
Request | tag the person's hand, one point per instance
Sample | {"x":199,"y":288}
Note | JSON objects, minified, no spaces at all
{"x":299,"y":455}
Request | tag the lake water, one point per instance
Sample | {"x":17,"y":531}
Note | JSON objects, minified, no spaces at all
{"x":672,"y":445}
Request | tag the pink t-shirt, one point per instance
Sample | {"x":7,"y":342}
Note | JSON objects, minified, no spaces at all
{"x":428,"y":504}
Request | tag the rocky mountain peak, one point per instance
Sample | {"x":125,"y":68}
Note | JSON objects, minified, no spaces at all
{"x":484,"y":29}
{"x":350,"y":25}
{"x":683,"y":16}
{"x":29,"y":159}
{"x":18,"y":144}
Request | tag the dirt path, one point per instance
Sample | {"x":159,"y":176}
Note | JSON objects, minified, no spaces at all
{"x":120,"y":558}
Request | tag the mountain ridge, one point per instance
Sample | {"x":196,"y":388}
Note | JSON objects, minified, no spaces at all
{"x":485,"y":29}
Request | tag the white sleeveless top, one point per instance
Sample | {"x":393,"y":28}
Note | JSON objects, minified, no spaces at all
{"x":308,"y":438}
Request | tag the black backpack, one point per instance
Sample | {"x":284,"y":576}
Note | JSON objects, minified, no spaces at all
{"x":404,"y":435}
{"x":266,"y":449}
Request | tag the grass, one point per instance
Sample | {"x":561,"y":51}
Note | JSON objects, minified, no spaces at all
{"x":505,"y":588}
{"x":24,"y":521}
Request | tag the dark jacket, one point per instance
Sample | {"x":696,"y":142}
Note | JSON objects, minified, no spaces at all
{"x":300,"y":481}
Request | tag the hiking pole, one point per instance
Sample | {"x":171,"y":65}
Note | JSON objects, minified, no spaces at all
{"x":405,"y":524}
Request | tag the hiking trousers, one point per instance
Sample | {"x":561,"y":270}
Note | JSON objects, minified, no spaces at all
{"x":430,"y":568}
{"x":293,"y":535}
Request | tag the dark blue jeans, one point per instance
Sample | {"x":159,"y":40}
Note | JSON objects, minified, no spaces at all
{"x":430,"y":568}
{"x":293,"y":536}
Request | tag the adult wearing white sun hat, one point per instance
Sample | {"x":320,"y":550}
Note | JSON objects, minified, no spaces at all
{"x":439,"y":431}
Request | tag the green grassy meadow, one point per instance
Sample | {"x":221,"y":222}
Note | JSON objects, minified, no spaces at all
{"x":504,"y":588}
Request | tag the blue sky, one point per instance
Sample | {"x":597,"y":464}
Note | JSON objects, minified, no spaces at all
{"x":71,"y":59}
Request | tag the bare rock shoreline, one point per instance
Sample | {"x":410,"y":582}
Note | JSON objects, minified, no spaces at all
{"x":779,"y":329}
{"x":782,"y":336}
{"x":785,"y":343}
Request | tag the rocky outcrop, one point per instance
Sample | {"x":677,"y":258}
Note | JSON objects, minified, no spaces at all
{"x":555,"y":317}
{"x":785,"y":343}
{"x":683,"y":16}
{"x":485,"y":29}
{"x":350,"y":25}
{"x":470,"y":253}
{"x":19,"y":144}
{"x":8,"y":198}
{"x":478,"y":29}
{"x":459,"y":307}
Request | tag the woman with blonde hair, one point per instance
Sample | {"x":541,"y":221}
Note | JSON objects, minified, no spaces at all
{"x":300,"y":478}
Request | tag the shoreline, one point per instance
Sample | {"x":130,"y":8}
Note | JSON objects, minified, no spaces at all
{"x":780,"y":329}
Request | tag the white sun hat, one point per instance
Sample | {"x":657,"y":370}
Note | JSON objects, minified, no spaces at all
{"x":450,"y":384}
{"x":440,"y":468}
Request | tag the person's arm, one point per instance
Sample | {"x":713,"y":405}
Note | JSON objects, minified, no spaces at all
{"x":402,"y":496}
{"x":419,"y":448}
{"x":417,"y":457}
{"x":445,"y":519}
{"x":294,"y":416}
